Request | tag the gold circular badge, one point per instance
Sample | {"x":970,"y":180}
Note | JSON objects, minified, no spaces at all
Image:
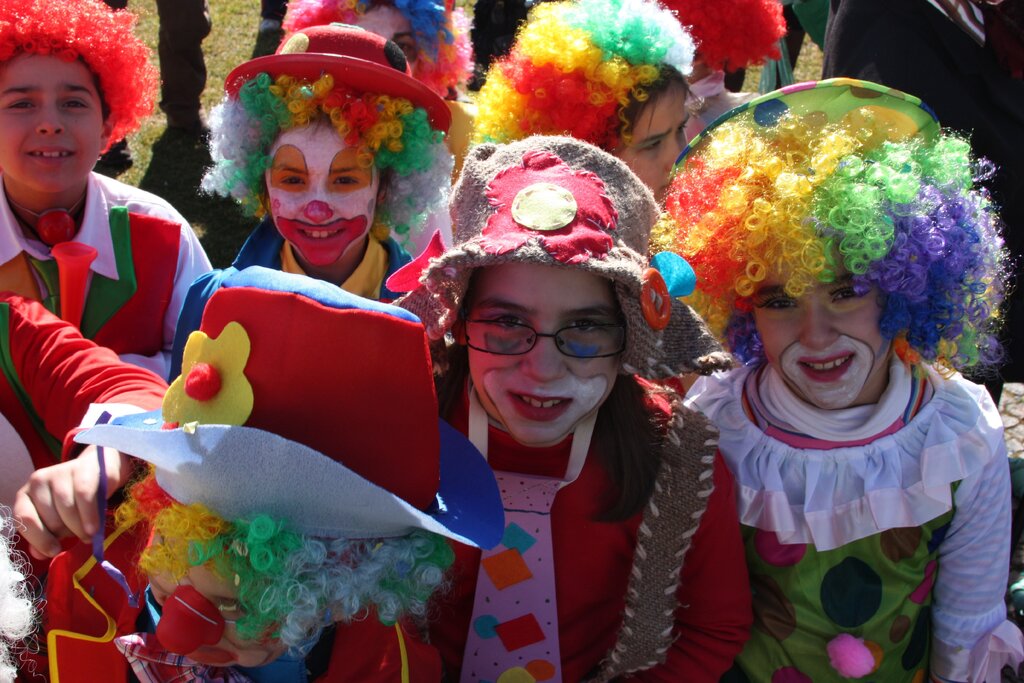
{"x":544,"y":207}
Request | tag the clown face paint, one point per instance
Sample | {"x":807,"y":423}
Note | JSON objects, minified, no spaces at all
{"x":222,"y":597}
{"x":540,"y":397}
{"x":826,"y":344}
{"x":321,"y":199}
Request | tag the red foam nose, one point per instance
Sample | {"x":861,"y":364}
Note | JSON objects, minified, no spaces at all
{"x":56,"y":226}
{"x":189,"y":621}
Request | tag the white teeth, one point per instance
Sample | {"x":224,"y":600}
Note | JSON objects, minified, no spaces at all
{"x":541,"y":404}
{"x":318,"y":234}
{"x":828,"y":365}
{"x":52,"y":155}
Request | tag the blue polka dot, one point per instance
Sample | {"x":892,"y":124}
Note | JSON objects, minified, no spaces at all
{"x":768,"y":113}
{"x":484,"y":626}
{"x":851,"y":593}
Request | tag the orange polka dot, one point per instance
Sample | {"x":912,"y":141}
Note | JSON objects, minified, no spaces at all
{"x":541,"y":669}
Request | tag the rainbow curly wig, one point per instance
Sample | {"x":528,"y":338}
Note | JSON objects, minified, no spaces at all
{"x":390,"y":133}
{"x":103,"y":39}
{"x":732,"y":34}
{"x":289,"y":585}
{"x":792,"y":197}
{"x":576,"y":66}
{"x":445,"y":59}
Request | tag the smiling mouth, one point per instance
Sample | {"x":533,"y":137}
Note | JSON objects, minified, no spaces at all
{"x":50,"y":155}
{"x":540,"y":403}
{"x":827,"y":365}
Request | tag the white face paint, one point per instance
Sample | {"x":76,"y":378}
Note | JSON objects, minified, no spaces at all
{"x":826,"y":344}
{"x":322,"y":199}
{"x":828,"y":378}
{"x":541,"y":414}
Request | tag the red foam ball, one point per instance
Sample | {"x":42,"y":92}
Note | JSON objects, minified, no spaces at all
{"x":56,"y":226}
{"x":189,"y":621}
{"x":203,"y":382}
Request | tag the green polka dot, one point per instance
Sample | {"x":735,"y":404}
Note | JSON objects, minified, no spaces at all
{"x":851,"y":593}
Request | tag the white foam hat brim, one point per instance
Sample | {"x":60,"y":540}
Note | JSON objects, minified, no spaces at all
{"x":239,"y":472}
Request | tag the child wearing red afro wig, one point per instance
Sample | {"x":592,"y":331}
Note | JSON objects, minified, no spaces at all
{"x":74,"y":79}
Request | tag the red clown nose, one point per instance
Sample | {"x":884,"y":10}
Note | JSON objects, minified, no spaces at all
{"x":189,"y":621}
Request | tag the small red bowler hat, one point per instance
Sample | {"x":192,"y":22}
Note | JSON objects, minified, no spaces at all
{"x":357,"y":59}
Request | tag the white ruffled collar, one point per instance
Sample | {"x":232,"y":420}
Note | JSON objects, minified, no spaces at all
{"x":833,"y":497}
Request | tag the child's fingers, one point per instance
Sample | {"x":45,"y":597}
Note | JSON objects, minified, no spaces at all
{"x":31,"y":506}
{"x":85,"y":481}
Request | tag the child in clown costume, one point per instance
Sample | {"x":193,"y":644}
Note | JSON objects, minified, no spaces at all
{"x":339,"y":150}
{"x":434,"y":37}
{"x":621,"y":553}
{"x":74,"y":79}
{"x":609,"y":72}
{"x":277,"y":536}
{"x":845,"y":255}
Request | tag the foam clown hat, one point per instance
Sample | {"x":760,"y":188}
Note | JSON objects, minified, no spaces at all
{"x":355,"y":58}
{"x":315,"y":406}
{"x":883,"y":113}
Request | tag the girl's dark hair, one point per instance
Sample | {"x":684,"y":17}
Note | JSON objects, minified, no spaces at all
{"x":668,"y":78}
{"x":627,"y":435}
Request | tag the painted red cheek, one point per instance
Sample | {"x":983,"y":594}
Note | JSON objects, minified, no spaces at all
{"x":275,"y":205}
{"x":189,"y":621}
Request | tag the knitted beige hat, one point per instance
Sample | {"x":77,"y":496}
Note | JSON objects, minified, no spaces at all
{"x":561,"y":202}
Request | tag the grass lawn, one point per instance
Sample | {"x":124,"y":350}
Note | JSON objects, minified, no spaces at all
{"x":171,"y":164}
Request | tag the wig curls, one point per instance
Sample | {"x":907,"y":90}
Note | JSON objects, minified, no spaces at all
{"x":575,"y":67}
{"x":103,"y":39}
{"x":388,"y":131}
{"x":804,"y":201}
{"x":445,"y":55}
{"x":733,"y":34}
{"x":289,"y":585}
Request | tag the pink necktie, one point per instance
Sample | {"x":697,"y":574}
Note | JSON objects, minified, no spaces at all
{"x":513,"y":635}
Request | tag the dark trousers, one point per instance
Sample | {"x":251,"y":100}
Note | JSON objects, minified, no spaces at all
{"x":183,"y":25}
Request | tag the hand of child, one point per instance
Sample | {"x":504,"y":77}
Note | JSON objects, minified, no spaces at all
{"x":60,"y":500}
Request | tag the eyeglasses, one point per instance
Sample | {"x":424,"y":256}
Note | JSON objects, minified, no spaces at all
{"x":590,"y":340}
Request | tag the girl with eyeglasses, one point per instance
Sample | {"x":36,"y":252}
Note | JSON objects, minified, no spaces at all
{"x":621,"y":550}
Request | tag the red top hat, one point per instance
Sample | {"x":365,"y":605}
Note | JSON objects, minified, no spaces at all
{"x":315,"y":406}
{"x":357,"y":59}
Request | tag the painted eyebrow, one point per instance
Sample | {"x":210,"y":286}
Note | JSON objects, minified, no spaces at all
{"x":284,"y":166}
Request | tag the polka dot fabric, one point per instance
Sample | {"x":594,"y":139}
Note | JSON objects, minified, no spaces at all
{"x":877,"y":589}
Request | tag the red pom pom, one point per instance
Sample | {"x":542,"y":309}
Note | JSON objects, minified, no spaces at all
{"x":203,"y":382}
{"x":56,"y":226}
{"x":189,"y":621}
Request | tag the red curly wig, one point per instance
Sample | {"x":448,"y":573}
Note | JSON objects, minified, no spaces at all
{"x":102,"y":38}
{"x":732,"y":34}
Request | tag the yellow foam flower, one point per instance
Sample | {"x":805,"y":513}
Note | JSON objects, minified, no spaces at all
{"x":212,"y":388}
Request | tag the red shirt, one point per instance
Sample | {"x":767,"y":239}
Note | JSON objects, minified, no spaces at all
{"x":592,"y":565}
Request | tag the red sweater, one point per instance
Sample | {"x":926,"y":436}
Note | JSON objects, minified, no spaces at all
{"x":592,"y":565}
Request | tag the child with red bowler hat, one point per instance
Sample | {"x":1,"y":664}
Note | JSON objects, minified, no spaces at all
{"x":621,"y":555}
{"x":112,"y":259}
{"x":276,"y":536}
{"x":339,"y":150}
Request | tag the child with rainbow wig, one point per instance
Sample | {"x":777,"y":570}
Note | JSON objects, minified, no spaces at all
{"x":340,"y":152}
{"x":608,"y":72}
{"x":844,"y":253}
